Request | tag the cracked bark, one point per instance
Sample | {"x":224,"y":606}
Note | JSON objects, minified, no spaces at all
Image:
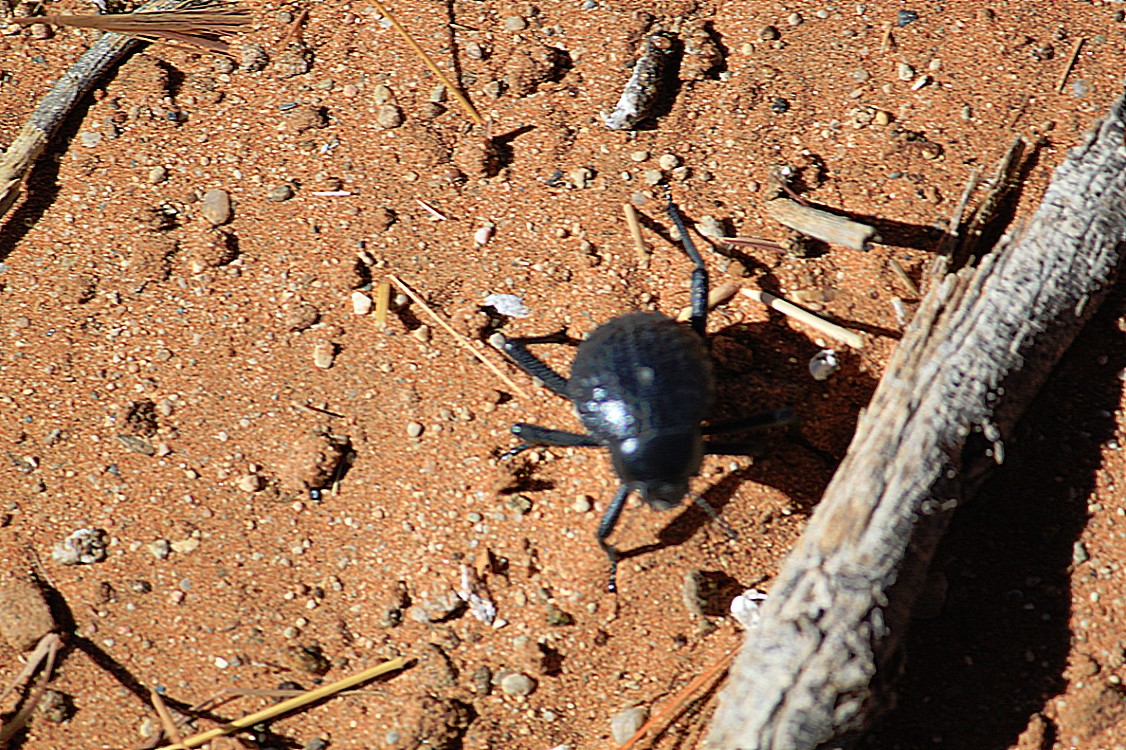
{"x":819,"y":667}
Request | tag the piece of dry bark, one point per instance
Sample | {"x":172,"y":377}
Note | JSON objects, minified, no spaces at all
{"x":814,"y":673}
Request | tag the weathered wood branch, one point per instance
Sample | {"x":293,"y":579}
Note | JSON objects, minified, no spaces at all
{"x":982,"y":343}
{"x":59,"y":102}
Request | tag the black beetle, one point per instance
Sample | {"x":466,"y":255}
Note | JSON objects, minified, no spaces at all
{"x":642,"y":386}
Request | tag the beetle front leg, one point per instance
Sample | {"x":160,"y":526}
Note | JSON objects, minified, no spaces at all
{"x":533,"y":435}
{"x":606,"y":527}
{"x":699,"y":316}
{"x":517,"y":351}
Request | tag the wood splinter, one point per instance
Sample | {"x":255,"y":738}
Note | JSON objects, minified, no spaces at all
{"x":821,"y":225}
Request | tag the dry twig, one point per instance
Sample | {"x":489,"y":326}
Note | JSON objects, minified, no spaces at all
{"x":712,"y":676}
{"x":1070,"y":64}
{"x":461,"y":340}
{"x":305,"y":699}
{"x":845,"y":336}
{"x":635,"y":232}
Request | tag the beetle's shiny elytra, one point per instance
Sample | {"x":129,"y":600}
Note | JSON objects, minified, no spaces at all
{"x":642,"y":386}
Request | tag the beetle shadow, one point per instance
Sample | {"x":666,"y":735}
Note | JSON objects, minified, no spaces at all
{"x":998,"y":649}
{"x":764,"y":366}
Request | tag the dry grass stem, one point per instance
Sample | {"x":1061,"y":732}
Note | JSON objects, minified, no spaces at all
{"x":462,"y":340}
{"x":382,"y":304}
{"x":901,"y":272}
{"x":716,"y":297}
{"x":1070,"y":64}
{"x":714,"y":674}
{"x":845,"y":336}
{"x":758,"y":242}
{"x":635,"y":232}
{"x":171,"y":731}
{"x":46,"y":651}
{"x":462,"y":100}
{"x":272,"y":712}
{"x":438,"y":215}
{"x":203,"y":23}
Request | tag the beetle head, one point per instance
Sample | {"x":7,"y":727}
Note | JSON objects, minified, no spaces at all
{"x":659,"y":465}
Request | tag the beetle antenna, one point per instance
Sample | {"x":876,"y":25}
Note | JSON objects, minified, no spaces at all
{"x":703,"y":504}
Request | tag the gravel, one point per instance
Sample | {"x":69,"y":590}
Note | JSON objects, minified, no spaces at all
{"x":518,"y":684}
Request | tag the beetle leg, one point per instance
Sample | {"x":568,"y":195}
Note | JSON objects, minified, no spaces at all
{"x":517,"y":351}
{"x":699,"y":316}
{"x":760,"y":421}
{"x":700,"y":501}
{"x":533,"y":435}
{"x":606,"y":527}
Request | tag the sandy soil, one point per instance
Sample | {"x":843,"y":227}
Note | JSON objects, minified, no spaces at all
{"x":164,"y":380}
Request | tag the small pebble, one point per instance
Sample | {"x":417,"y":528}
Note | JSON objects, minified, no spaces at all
{"x":184,"y":546}
{"x":90,"y":138}
{"x":745,"y":608}
{"x":824,"y":364}
{"x":515,"y":23}
{"x":794,"y":19}
{"x":381,"y":94}
{"x":581,"y":504}
{"x":517,"y":684}
{"x":625,"y":724}
{"x":668,"y":162}
{"x":710,"y":226}
{"x":653,"y":176}
{"x":250,"y":483}
{"x":83,"y":547}
{"x":324,"y":353}
{"x":580,"y":177}
{"x":216,"y":207}
{"x":422,"y":333}
{"x":779,"y":106}
{"x":414,"y":429}
{"x":639,"y":156}
{"x":768,"y":33}
{"x":904,"y":71}
{"x":361,"y":303}
{"x":280,"y":193}
{"x":389,"y":116}
{"x":157,"y":175}
{"x":482,"y":236}
{"x":906,"y":18}
{"x":508,"y":304}
{"x":160,"y":549}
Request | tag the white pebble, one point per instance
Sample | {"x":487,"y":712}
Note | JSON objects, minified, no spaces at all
{"x":484,"y":234}
{"x":745,"y":608}
{"x":508,"y":304}
{"x":250,"y":483}
{"x":324,"y":353}
{"x":823,"y":364}
{"x":517,"y":684}
{"x":625,"y":724}
{"x":361,"y":303}
{"x":668,"y":162}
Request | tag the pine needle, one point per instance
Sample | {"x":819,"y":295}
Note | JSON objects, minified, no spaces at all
{"x":203,"y":23}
